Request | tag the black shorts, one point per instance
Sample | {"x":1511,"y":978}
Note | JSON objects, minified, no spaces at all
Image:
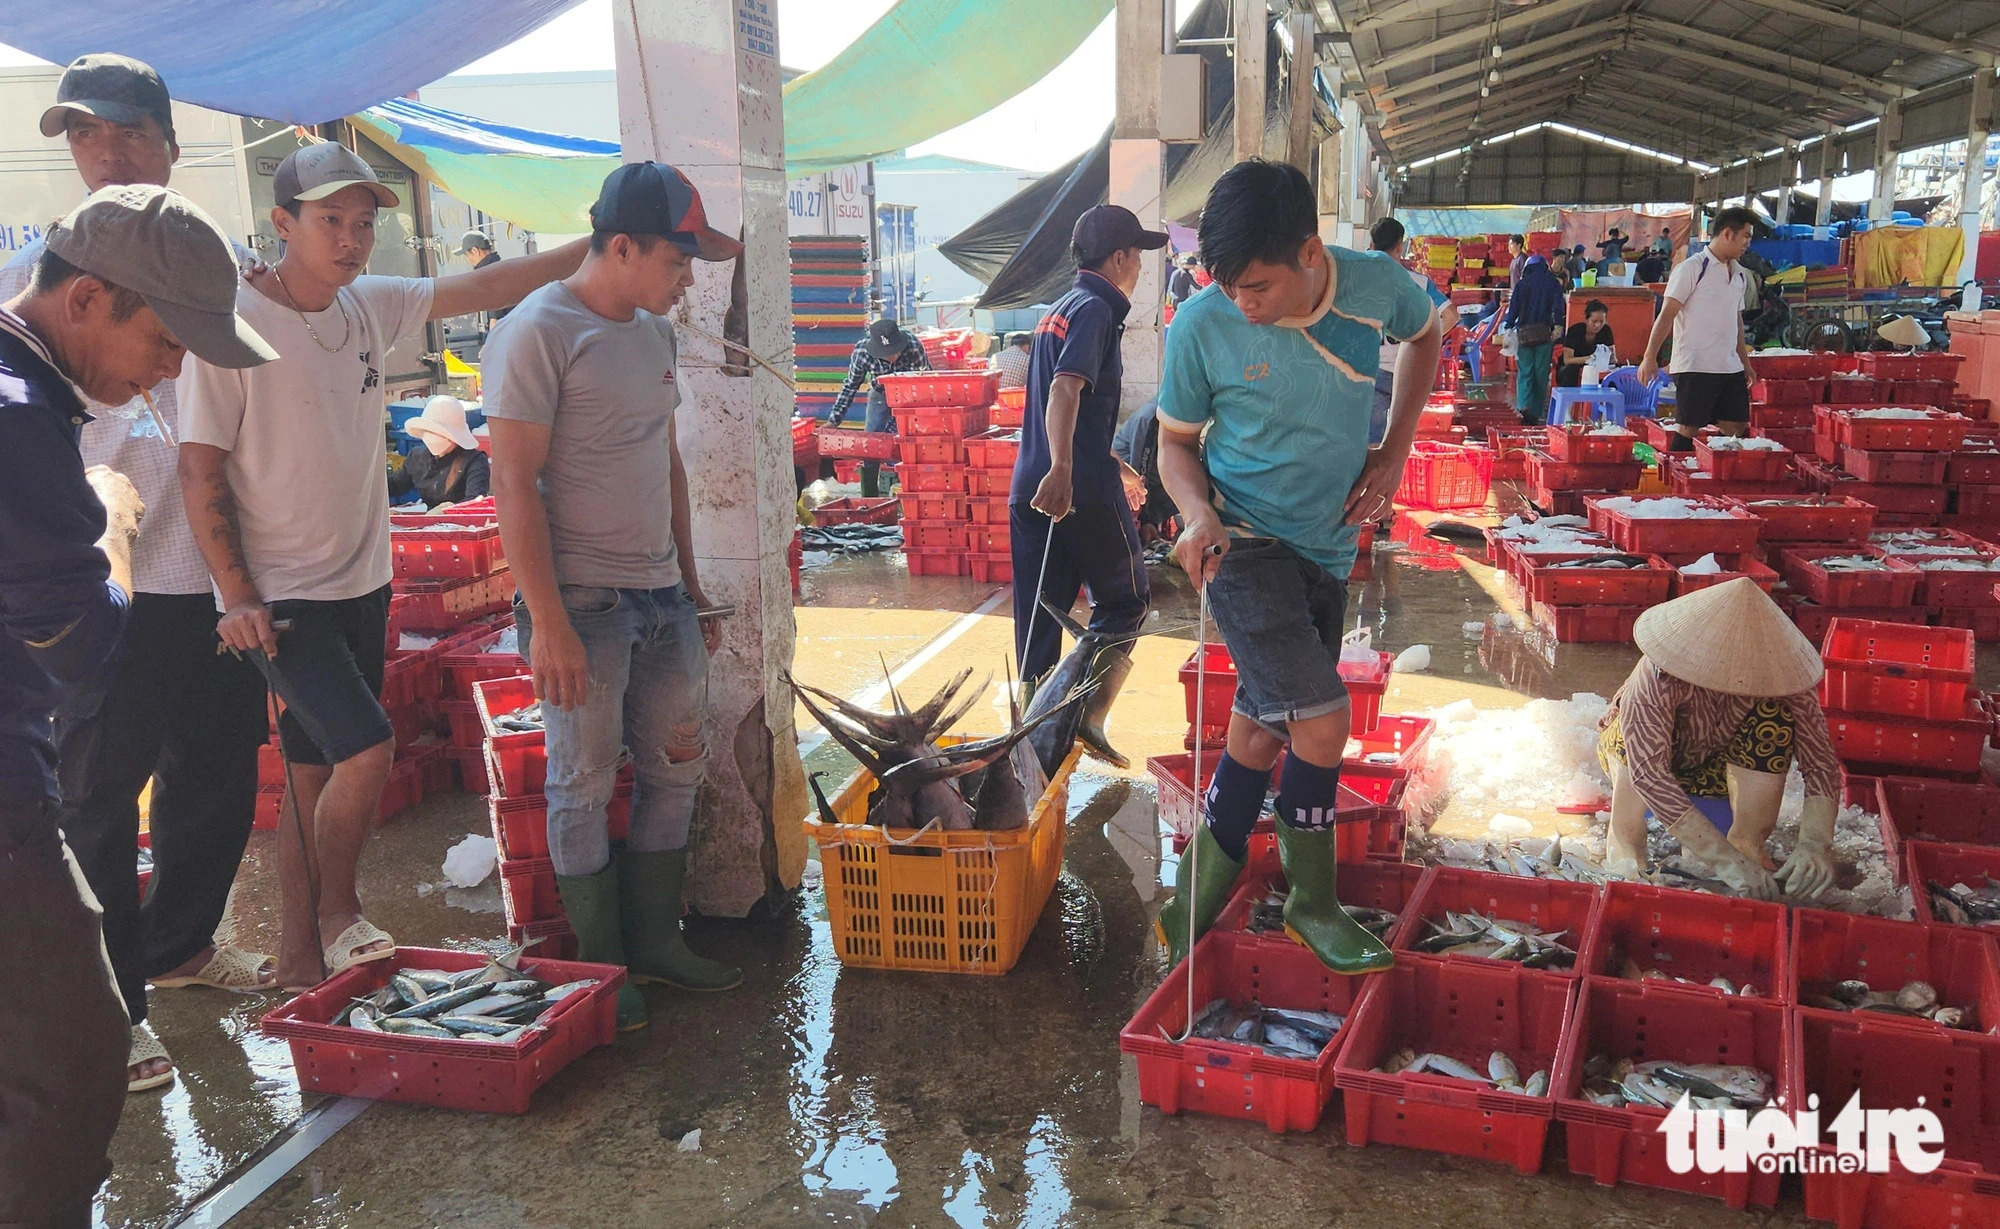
{"x":328,"y":671}
{"x":1704,"y":398}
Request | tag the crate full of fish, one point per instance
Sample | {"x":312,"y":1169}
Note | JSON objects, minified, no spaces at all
{"x":1954,"y":885}
{"x":1375,"y":894}
{"x":1591,"y":444}
{"x":1899,"y":973}
{"x":1840,"y":576}
{"x":1952,"y":746}
{"x":1953,"y":1074}
{"x":1743,"y":458}
{"x":1486,"y":917}
{"x":1670,"y":525}
{"x":1702,"y":571}
{"x":1367,"y":826}
{"x":1896,"y":428}
{"x":1634,"y":1050}
{"x":1896,"y":669}
{"x":489,"y":655}
{"x":446,"y":551}
{"x":1941,"y":812}
{"x":1721,"y":946}
{"x":450,"y":1029}
{"x":1600,"y":580}
{"x":1268,"y":1023}
{"x":940,"y":851}
{"x":515,"y":736}
{"x":1959,"y":581}
{"x":1455,"y":1057}
{"x":1811,"y":518}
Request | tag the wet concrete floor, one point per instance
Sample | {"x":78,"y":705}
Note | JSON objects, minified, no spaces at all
{"x":832,"y":1096}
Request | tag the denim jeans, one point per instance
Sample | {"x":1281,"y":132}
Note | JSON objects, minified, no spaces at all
{"x":648,"y":703}
{"x":1282,"y":616}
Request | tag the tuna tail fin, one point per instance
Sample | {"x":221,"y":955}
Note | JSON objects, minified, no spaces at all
{"x":1062,"y":617}
{"x":965,"y":706}
{"x":895,"y":697}
{"x":826,"y":815}
{"x":926,"y":718}
{"x":853,"y":746}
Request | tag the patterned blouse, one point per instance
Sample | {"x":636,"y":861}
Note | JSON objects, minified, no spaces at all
{"x":1670,"y":724}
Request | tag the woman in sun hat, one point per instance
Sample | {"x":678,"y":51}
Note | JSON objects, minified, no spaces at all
{"x":1704,"y":731}
{"x":449,"y":468}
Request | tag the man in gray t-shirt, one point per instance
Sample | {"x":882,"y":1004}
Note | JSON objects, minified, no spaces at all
{"x":581,"y":394}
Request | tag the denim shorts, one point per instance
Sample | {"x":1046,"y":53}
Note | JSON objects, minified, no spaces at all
{"x":1282,"y":616}
{"x":328,"y":671}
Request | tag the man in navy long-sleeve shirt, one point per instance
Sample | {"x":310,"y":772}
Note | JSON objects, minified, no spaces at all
{"x":130,"y":281}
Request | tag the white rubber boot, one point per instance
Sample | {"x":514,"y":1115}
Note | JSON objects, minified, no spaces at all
{"x":1754,"y":799}
{"x":1625,"y":841}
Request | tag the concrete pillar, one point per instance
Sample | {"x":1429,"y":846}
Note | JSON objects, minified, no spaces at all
{"x":1300,"y":96}
{"x":1326,"y":176}
{"x":698,"y":88}
{"x":1696,"y":199}
{"x":1788,"y":179}
{"x":1252,"y":24}
{"x":1138,"y":182}
{"x":1980,"y":128}
{"x":1352,"y":229}
{"x":1888,"y":143}
{"x":1823,"y":216}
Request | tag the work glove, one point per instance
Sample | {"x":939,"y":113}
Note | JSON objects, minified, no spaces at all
{"x":1700,"y":838}
{"x":1810,"y":871}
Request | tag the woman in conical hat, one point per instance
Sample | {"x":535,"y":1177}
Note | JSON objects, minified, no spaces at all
{"x":1720,"y":706}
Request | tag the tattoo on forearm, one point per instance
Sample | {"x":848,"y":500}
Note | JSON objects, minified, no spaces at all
{"x":227,"y":531}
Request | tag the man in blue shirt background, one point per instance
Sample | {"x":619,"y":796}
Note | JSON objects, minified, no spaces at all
{"x":1264,"y":407}
{"x":1070,"y":505}
{"x":129,"y":282}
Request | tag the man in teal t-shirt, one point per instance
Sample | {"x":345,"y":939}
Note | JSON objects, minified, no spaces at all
{"x":1264,"y":406}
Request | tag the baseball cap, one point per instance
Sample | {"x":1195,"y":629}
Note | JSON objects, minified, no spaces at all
{"x":116,"y":88}
{"x":316,"y":172}
{"x":474,"y":239}
{"x":652,"y":198}
{"x":886,"y":339}
{"x":1105,"y":229}
{"x":158,"y":243}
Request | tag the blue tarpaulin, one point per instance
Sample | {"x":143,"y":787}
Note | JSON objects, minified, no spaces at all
{"x":541,"y":181}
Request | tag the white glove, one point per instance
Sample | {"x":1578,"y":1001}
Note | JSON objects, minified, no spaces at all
{"x":1810,"y":871}
{"x":1700,"y":838}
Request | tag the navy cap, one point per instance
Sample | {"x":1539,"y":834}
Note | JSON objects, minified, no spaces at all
{"x":1105,"y":229}
{"x":114,"y":88}
{"x":652,"y":198}
{"x":886,"y":339}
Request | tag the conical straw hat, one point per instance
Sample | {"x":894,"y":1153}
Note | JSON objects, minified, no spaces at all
{"x":1730,"y":638}
{"x":1904,"y":331}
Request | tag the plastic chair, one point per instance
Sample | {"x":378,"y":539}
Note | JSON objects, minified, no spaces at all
{"x":1609,"y":403}
{"x":1639,"y":398}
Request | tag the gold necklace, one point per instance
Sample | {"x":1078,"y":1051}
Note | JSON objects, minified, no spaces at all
{"x":347,"y":323}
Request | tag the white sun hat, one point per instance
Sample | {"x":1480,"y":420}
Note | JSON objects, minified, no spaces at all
{"x":443,"y":416}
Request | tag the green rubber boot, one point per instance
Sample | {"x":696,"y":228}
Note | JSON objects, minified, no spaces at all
{"x":1218,"y":873}
{"x":1313,"y":916}
{"x":1112,"y":667}
{"x":650,"y":904}
{"x":590,"y":902}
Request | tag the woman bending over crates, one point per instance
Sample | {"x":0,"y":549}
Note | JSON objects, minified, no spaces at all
{"x":1705,"y":730}
{"x":1269,"y":382}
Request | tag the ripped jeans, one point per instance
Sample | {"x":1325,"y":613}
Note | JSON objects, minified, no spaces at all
{"x":648,"y":701}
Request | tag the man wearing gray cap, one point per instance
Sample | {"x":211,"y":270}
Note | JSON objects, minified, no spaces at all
{"x":167,"y":709}
{"x":282,"y":477}
{"x":132,"y":280}
{"x":478,"y":252}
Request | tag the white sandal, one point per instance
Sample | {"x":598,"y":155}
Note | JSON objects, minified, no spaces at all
{"x":345,"y":952}
{"x":146,"y":1048}
{"x":232,"y":969}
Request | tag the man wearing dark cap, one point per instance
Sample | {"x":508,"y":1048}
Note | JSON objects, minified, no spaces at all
{"x":582,"y":393}
{"x":168,"y":709}
{"x":129,"y":282}
{"x":282,"y":478}
{"x":885,"y":350}
{"x":1070,"y":506}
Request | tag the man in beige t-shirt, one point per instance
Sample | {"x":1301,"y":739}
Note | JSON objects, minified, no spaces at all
{"x":283,"y":479}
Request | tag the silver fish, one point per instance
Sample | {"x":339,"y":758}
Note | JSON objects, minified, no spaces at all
{"x":1537,"y":1085}
{"x":438,"y":1004}
{"x":491,"y":1004}
{"x":556,"y":994}
{"x":1444,"y":1064}
{"x":1502,"y":1068}
{"x":415,"y":1028}
{"x":1917,"y":996}
{"x":474,"y":1024}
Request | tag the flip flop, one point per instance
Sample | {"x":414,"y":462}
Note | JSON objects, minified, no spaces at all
{"x":145,"y":1048}
{"x":231,"y":969}
{"x":345,"y":952}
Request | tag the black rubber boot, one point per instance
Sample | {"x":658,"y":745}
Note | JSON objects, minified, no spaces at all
{"x":1218,"y":872}
{"x":590,"y":902}
{"x":649,"y":900}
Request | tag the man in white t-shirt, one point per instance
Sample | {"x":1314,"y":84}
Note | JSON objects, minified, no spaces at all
{"x":1711,"y":359}
{"x":285,"y":488}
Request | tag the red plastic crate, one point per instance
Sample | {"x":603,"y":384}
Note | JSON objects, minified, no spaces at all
{"x":1796,"y":440}
{"x":1588,"y":624}
{"x":1977,"y":501}
{"x":1885,"y":365}
{"x":1928,"y":861}
{"x":1947,"y":746}
{"x":1940,"y":812}
{"x":1786,"y":392}
{"x":1743,"y":464}
{"x":987,"y":483}
{"x":1829,"y":947}
{"x":1548,"y":905}
{"x":462,"y":718}
{"x":930,"y":450}
{"x":1775,"y":416}
{"x":1645,"y":536}
{"x":434,"y":553}
{"x":550,"y":940}
{"x":931,"y":479}
{"x":1921,"y":468}
{"x":1982,"y":621}
{"x":1586,"y":586}
{"x":949,"y":561}
{"x":519,"y":762}
{"x":528,"y":890}
{"x":987,"y":510}
{"x":1817,"y":366}
{"x":991,"y":569}
{"x":995,"y":449}
{"x":1955,"y":1075}
{"x":956,"y":422}
{"x":481,"y":1076}
{"x":1693,"y":935}
{"x":926,"y":536}
{"x":1855,"y":390}
{"x":1580,"y":445}
{"x":1938,"y":432}
{"x":1366,"y":683}
{"x":1733,"y":567}
{"x":1892,"y":588}
{"x":1652,"y":1022}
{"x":1369,"y":885}
{"x":989,"y":539}
{"x":1466,"y":1011}
{"x":1368,"y":828}
{"x":1221,"y":1077}
{"x":1442,"y":477}
{"x":1549,"y":474}
{"x":405,"y":787}
{"x":470,"y":764}
{"x":1824,"y":519}
{"x":410,"y":677}
{"x":852,"y":510}
{"x":939,"y":390}
{"x":521,"y":825}
{"x":1896,"y":669}
{"x":1940,"y":587}
{"x":1972,"y":468}
{"x":922,"y":507}
{"x":270,"y":806}
{"x":442,"y":605}
{"x":1700,"y":484}
{"x":846,"y":442}
{"x":1406,"y":738}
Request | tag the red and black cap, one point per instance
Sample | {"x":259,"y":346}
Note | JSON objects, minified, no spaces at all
{"x":652,"y":198}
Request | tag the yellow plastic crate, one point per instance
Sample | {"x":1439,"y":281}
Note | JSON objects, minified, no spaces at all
{"x":939,"y":902}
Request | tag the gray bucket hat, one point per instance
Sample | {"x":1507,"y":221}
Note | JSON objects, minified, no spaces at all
{"x":159,"y":244}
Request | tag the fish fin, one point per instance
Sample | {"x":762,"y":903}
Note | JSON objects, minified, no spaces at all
{"x":926,"y":717}
{"x":875,"y":723}
{"x":895,"y":697}
{"x":1068,"y":624}
{"x":867,"y":757}
{"x":825,"y":811}
{"x":958,"y":714}
{"x":1013,"y":696}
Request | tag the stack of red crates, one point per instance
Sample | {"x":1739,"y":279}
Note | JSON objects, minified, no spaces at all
{"x":1899,"y":700}
{"x":1782,"y":397}
{"x":1581,"y":460}
{"x":1896,"y":464}
{"x":1951,"y":595}
{"x":488,"y":654}
{"x":936,"y":413}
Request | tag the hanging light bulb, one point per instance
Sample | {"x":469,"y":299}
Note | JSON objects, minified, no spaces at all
{"x":1496,"y":51}
{"x":1485,"y":92}
{"x":1493,"y":78}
